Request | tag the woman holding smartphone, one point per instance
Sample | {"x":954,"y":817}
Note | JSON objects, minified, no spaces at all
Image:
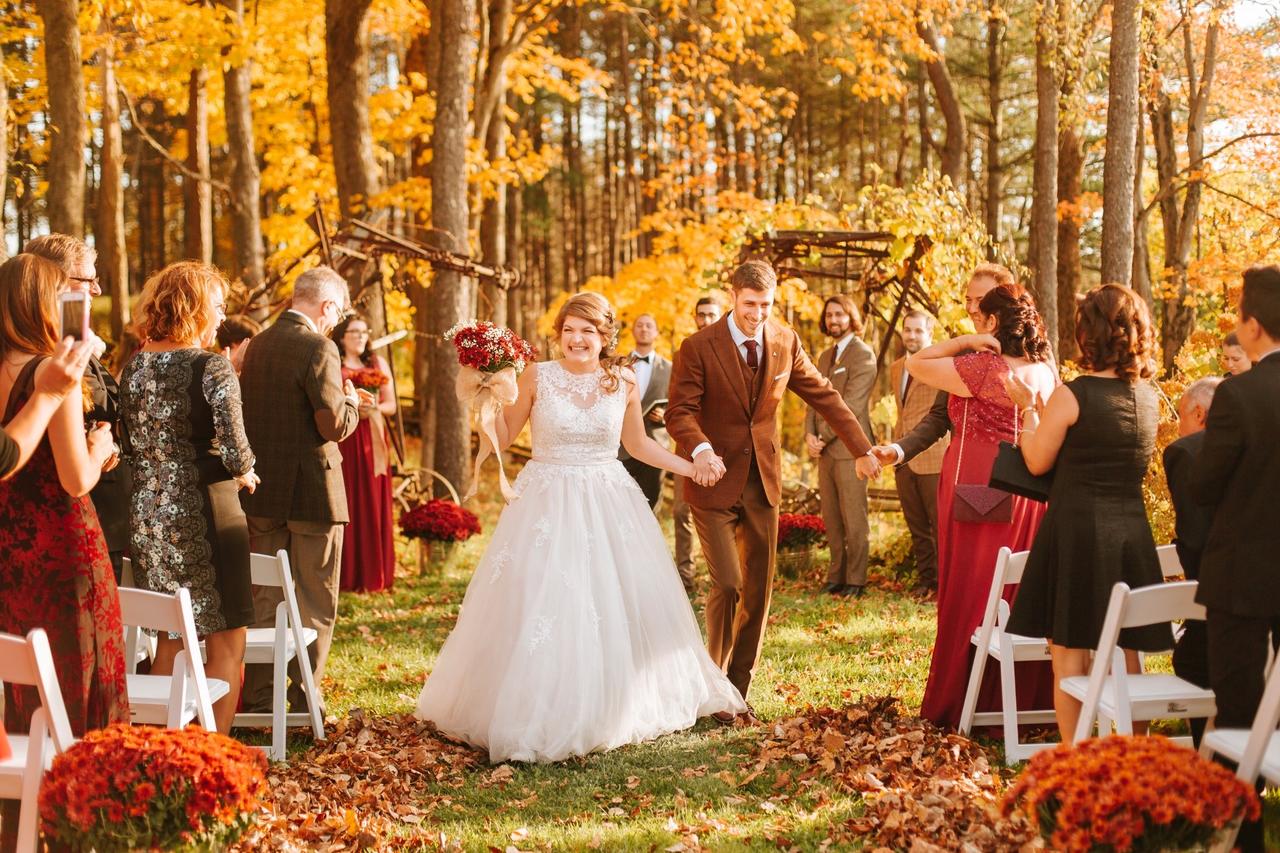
{"x":54,"y":573}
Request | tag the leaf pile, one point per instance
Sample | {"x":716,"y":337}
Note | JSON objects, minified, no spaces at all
{"x":924,"y":789}
{"x":368,"y":778}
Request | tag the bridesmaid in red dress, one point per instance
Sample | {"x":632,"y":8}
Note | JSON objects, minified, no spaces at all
{"x":54,"y":569}
{"x":368,"y":548}
{"x":971,"y":369}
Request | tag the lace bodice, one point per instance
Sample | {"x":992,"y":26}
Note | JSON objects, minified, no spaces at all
{"x":574,"y":421}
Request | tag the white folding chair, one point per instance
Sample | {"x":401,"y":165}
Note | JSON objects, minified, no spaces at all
{"x":28,"y":661}
{"x":168,"y":700}
{"x":287,"y":641}
{"x":1170,"y":565}
{"x":993,"y":641}
{"x":1255,"y":750}
{"x":1110,"y":692}
{"x":146,"y":646}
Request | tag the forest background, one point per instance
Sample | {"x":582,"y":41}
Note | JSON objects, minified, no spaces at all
{"x":634,"y":148}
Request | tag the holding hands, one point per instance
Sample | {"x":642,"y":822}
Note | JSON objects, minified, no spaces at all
{"x":868,"y":467}
{"x":708,"y":468}
{"x":885,"y":454}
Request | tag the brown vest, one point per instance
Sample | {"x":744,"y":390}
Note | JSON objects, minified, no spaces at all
{"x":753,"y":381}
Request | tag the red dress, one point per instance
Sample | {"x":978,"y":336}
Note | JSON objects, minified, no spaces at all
{"x":967,"y":551}
{"x":368,"y":545}
{"x":55,"y":575}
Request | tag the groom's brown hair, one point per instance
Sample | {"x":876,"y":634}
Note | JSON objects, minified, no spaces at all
{"x":754,"y":275}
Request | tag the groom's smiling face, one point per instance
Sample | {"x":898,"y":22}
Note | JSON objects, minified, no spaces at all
{"x":751,"y":308}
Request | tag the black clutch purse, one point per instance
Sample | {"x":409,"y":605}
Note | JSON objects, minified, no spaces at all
{"x":1009,"y":473}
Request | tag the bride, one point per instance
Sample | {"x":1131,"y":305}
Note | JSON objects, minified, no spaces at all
{"x":575,"y":634}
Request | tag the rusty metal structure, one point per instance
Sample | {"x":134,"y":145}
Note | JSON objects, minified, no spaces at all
{"x":848,"y":256}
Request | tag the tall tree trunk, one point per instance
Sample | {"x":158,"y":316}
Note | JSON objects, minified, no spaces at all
{"x":1070,"y":172}
{"x":1122,"y":134}
{"x":1141,"y":253}
{"x":1044,"y":208}
{"x":197,"y":194}
{"x":922,"y":120}
{"x":954,"y":145}
{"x":4,"y":138}
{"x":452,"y":23}
{"x":995,"y":126}
{"x":493,"y":229}
{"x":246,"y":181}
{"x":1179,"y":310}
{"x":65,"y":170}
{"x":113,"y":263}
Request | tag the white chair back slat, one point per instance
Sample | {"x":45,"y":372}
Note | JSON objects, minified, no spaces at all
{"x":1170,"y":565}
{"x":1264,"y":726}
{"x":29,"y":661}
{"x":159,"y":612}
{"x":1163,"y":602}
{"x":155,"y":610}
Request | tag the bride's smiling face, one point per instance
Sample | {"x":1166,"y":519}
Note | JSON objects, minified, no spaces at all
{"x":580,"y":340}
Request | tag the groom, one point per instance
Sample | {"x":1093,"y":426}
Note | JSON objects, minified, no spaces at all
{"x":726,"y":385}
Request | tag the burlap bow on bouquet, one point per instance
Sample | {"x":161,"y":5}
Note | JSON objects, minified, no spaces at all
{"x":492,"y":358}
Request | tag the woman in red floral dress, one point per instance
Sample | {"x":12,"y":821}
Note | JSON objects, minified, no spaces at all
{"x":54,"y":573}
{"x":368,"y":547}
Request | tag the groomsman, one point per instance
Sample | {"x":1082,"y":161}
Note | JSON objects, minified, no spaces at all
{"x":850,"y":365}
{"x":1236,"y":474}
{"x":705,"y":312}
{"x":653,"y":373}
{"x":917,"y":480}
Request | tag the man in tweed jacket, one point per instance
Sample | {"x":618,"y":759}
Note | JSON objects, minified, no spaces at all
{"x":296,"y":409}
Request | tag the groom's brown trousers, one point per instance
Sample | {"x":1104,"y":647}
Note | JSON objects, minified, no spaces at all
{"x":739,"y":544}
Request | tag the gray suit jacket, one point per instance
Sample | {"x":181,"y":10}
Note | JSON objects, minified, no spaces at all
{"x":659,"y":385}
{"x":294,"y":413}
{"x":852,"y":376}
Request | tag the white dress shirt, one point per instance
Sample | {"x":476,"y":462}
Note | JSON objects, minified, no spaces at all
{"x":740,"y":338}
{"x":840,"y":345}
{"x":644,"y":372}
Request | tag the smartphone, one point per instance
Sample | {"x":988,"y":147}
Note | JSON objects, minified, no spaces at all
{"x":74,"y":307}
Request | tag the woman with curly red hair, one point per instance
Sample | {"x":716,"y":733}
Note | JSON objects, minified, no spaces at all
{"x":975,"y":521}
{"x":1097,"y":432}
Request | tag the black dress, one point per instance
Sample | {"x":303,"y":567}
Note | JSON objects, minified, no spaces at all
{"x":1095,"y":533}
{"x":187,"y":443}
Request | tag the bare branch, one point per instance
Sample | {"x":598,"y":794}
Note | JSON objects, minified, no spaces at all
{"x":1242,"y":200}
{"x":159,"y":147}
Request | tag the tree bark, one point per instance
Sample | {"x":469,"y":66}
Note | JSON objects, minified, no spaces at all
{"x":493,"y":229}
{"x":995,"y":171}
{"x":113,"y":263}
{"x":1122,"y":133}
{"x":451,"y":25}
{"x":246,"y":181}
{"x":954,"y":145}
{"x":1044,"y":206}
{"x":1070,"y":172}
{"x":4,"y":139}
{"x":65,"y":170}
{"x":197,"y":194}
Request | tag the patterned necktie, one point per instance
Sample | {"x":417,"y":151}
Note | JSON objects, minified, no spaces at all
{"x":753,"y":360}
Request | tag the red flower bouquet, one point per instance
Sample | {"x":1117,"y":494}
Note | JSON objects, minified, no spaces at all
{"x":488,"y":348}
{"x":1128,"y":793}
{"x":130,"y":788}
{"x":439,"y":520}
{"x":798,"y":531}
{"x":368,"y":378}
{"x":491,"y":358}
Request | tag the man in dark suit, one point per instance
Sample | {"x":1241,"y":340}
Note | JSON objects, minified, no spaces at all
{"x":296,"y":409}
{"x":1191,"y":527}
{"x":1236,"y":475}
{"x":850,"y":365}
{"x":112,"y":493}
{"x":653,"y":374}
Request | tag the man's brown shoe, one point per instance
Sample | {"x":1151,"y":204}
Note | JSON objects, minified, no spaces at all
{"x":724,"y":718}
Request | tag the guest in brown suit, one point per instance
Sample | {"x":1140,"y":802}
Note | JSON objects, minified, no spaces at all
{"x":726,"y":385}
{"x":296,"y":409}
{"x":850,"y":365}
{"x":917,"y":480}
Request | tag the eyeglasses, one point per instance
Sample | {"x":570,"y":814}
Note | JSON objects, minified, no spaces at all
{"x":359,"y":333}
{"x":95,"y":281}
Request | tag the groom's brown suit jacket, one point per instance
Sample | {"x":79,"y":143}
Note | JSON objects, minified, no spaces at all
{"x":709,"y":400}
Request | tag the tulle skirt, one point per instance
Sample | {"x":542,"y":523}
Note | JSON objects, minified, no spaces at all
{"x":575,"y":634}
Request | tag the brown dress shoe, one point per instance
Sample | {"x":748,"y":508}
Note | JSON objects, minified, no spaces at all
{"x":724,"y":718}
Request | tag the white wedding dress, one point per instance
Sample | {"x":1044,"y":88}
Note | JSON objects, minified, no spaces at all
{"x":575,"y":634}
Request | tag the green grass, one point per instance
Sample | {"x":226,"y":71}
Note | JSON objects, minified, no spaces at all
{"x":679,"y":789}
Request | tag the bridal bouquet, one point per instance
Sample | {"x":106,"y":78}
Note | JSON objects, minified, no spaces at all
{"x":137,"y":787}
{"x":1128,"y":793}
{"x":370,"y":379}
{"x":491,"y":358}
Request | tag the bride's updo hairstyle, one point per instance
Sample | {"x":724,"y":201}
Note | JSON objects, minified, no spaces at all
{"x":1019,"y":328}
{"x":597,"y":311}
{"x":1113,"y":329}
